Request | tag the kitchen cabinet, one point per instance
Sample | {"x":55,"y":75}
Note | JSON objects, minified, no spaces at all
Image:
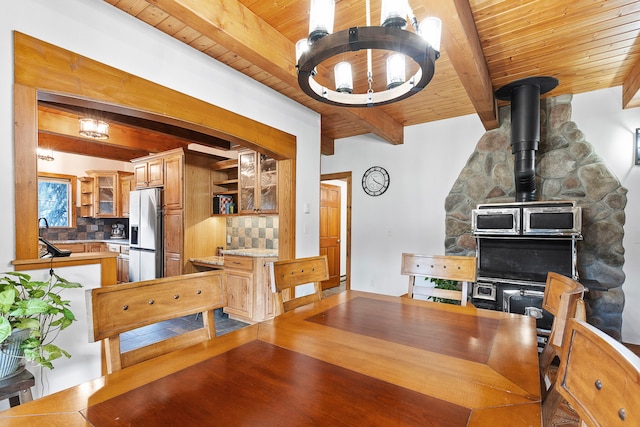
{"x":126,"y":185}
{"x":96,"y":247}
{"x":86,"y":196}
{"x":173,"y":176}
{"x":189,"y":231}
{"x":248,"y":286}
{"x":148,"y":171}
{"x":83,"y":247}
{"x":122,"y":262}
{"x":100,"y":194}
{"x":173,"y":242}
{"x":224,"y":182}
{"x":73,"y":247}
{"x":105,"y":193}
{"x":258,"y":183}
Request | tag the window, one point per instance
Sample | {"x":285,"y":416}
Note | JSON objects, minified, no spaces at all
{"x":56,"y":199}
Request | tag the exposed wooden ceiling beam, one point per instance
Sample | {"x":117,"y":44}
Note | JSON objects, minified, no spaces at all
{"x":63,"y":123}
{"x":631,"y":88}
{"x":327,"y":145}
{"x":460,"y":40}
{"x":82,"y":147}
{"x":250,"y":37}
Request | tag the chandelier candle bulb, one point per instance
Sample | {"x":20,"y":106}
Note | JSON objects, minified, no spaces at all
{"x":393,"y":13}
{"x":321,"y":18}
{"x":395,"y":70}
{"x":343,"y":77}
{"x":302,"y":46}
{"x":430,"y":30}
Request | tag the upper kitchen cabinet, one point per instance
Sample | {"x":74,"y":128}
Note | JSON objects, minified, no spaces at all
{"x":126,"y":185}
{"x":258,"y":182}
{"x":148,"y":172}
{"x":105,"y":194}
{"x":173,"y":179}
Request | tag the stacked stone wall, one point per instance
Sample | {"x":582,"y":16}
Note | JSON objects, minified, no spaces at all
{"x":567,"y":168}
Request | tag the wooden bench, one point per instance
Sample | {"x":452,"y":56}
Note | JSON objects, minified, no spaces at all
{"x":115,"y":309}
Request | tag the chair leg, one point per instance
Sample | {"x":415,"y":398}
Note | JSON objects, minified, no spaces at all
{"x":544,"y":362}
{"x":550,"y":406}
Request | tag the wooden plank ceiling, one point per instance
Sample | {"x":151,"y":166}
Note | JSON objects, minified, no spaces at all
{"x":586,"y":44}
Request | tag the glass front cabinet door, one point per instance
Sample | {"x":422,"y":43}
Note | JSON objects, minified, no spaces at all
{"x":258,"y":176}
{"x":106,"y":193}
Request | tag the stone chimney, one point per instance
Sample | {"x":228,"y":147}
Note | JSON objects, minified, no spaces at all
{"x":566,"y":168}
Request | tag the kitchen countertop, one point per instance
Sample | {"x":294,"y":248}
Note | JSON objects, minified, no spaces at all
{"x":212,"y":261}
{"x":116,"y":241}
{"x":252,"y":252}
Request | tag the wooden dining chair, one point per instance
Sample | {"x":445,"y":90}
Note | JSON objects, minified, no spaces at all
{"x":598,"y":376}
{"x":289,"y":274}
{"x":449,"y":267}
{"x":116,"y":309}
{"x":563,"y":297}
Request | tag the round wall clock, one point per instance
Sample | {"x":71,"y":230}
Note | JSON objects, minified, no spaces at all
{"x":375,"y":181}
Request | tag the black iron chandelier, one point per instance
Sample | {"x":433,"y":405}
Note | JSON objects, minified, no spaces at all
{"x":423,"y":46}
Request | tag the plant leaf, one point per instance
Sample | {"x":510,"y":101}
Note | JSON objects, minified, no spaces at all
{"x":5,"y":329}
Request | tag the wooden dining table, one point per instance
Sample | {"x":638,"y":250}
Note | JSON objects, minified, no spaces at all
{"x":353,"y":359}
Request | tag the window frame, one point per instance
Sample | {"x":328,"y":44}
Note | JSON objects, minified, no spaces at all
{"x":72,"y":179}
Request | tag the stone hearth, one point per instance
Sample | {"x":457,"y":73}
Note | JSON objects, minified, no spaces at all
{"x":567,"y":168}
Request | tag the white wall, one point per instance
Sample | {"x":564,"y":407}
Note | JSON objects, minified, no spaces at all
{"x":95,"y":29}
{"x":410,"y":215}
{"x":611,"y":130}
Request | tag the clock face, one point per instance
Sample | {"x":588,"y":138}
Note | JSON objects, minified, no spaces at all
{"x":375,"y":181}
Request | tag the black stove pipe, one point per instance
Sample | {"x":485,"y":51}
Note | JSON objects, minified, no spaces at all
{"x":525,"y":129}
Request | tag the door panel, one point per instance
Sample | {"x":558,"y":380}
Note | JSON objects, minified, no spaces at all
{"x":330,"y":232}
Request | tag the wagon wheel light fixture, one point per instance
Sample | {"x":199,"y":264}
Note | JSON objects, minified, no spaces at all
{"x":423,"y":46}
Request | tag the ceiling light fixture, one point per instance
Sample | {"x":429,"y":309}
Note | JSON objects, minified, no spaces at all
{"x":92,"y":128}
{"x":423,"y":47}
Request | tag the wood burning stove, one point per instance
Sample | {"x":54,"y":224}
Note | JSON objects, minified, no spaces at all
{"x":517,"y":244}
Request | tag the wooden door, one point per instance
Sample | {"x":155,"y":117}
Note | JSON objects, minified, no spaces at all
{"x":330,"y":232}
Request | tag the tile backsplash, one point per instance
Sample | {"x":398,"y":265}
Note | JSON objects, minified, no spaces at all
{"x":86,"y":229}
{"x":259,"y":232}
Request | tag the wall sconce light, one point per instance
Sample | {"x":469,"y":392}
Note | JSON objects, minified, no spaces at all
{"x":636,"y":148}
{"x":92,"y":128}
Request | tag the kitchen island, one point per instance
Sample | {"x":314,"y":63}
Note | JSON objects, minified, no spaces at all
{"x":248,"y":285}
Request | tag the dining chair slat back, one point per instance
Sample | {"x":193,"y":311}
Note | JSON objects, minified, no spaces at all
{"x":563,"y":297}
{"x":289,"y":274}
{"x":448,"y":267}
{"x":598,"y":376}
{"x":113,"y":310}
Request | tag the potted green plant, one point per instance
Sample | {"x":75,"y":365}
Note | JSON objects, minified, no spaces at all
{"x":37,"y":307}
{"x":451,"y":285}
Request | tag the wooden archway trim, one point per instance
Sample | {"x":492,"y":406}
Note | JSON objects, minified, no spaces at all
{"x":40,"y":66}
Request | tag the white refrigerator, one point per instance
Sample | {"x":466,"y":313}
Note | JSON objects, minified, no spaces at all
{"x":145,"y":234}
